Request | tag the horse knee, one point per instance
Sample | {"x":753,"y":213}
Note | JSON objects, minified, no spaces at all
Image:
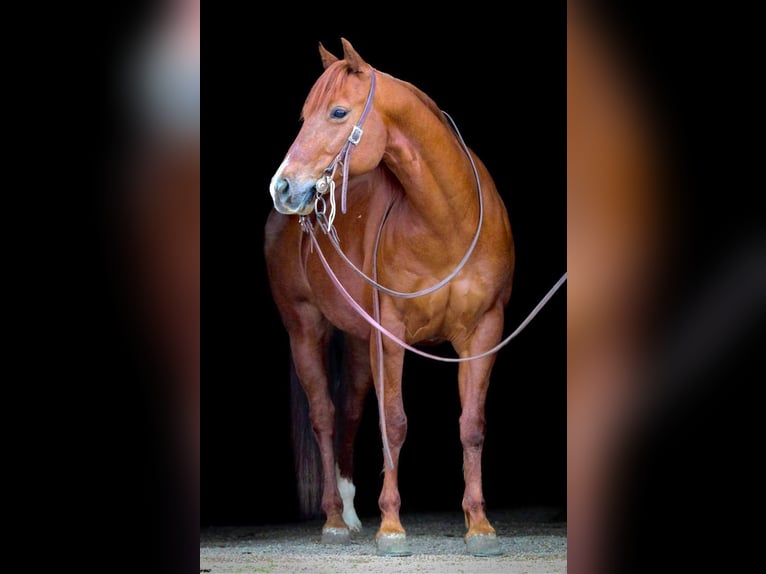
{"x":472,"y":431}
{"x":396,"y":427}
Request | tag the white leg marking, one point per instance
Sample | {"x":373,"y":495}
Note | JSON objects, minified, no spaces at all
{"x":347,"y":491}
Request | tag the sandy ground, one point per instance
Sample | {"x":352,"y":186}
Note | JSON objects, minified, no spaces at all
{"x":533,"y":542}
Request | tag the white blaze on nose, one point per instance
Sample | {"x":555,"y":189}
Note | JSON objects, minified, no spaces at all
{"x":277,"y":175}
{"x":347,"y":490}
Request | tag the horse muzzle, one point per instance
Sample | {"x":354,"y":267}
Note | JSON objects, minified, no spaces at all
{"x":292,"y":199}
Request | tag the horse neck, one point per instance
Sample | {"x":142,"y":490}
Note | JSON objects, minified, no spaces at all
{"x":428,"y":160}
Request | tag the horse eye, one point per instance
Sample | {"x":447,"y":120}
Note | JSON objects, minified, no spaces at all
{"x":338,"y":113}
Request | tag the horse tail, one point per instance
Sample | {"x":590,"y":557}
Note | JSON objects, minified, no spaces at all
{"x":307,"y":460}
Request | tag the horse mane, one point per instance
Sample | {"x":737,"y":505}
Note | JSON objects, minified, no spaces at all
{"x":335,"y":76}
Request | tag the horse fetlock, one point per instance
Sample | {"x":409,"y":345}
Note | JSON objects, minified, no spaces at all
{"x":347,"y":490}
{"x":335,"y":530}
{"x":390,"y":525}
{"x":479,"y":527}
{"x":335,"y":519}
{"x":351,"y":519}
{"x":390,"y":503}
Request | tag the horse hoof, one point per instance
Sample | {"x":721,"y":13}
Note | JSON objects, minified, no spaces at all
{"x":336,"y":536}
{"x":483,"y":545}
{"x":393,"y":545}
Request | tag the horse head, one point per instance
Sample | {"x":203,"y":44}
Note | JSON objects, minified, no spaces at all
{"x":337,"y":111}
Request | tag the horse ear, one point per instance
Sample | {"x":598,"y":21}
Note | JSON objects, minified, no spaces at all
{"x":327,"y":57}
{"x":353,"y":59}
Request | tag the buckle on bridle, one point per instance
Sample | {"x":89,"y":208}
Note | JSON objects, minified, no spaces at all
{"x":356,"y":135}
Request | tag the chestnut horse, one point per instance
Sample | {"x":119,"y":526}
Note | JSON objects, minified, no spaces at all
{"x":419,"y":215}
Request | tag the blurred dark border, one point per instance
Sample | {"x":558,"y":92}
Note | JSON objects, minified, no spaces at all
{"x":691,"y":484}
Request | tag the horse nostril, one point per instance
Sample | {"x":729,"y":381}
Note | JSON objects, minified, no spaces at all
{"x":282,"y":186}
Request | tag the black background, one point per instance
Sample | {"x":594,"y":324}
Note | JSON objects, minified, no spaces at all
{"x":503,"y":83}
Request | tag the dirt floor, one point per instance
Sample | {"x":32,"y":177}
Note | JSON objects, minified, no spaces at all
{"x":533,"y":540}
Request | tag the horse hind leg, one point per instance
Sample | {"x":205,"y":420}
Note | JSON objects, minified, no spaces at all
{"x":310,"y":358}
{"x":357,"y":382}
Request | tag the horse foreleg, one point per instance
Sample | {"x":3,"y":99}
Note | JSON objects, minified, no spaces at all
{"x":473,"y":378}
{"x":357,"y":382}
{"x":391,"y":537}
{"x":309,"y":350}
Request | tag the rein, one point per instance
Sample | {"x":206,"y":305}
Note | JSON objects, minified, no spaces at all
{"x":381,"y":329}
